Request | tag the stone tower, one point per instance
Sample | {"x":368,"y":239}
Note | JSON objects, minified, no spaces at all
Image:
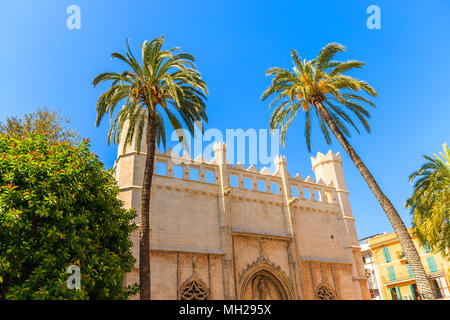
{"x":328,"y":168}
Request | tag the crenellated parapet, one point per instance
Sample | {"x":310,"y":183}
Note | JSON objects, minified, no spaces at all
{"x":328,"y":168}
{"x":321,"y":158}
{"x":237,"y":176}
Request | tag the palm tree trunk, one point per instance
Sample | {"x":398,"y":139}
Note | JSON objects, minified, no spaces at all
{"x":144,"y":235}
{"x":399,"y":227}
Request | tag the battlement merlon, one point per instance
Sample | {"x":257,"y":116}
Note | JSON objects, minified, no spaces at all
{"x":329,"y":169}
{"x":280,"y":161}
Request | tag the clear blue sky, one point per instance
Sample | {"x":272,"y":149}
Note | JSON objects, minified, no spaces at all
{"x":44,"y":63}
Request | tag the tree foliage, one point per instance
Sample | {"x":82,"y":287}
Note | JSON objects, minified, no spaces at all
{"x":165,"y":83}
{"x":42,"y":122}
{"x":59,"y":207}
{"x":430,"y":201}
{"x":318,"y":81}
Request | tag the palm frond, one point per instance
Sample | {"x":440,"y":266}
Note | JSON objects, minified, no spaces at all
{"x":322,"y":82}
{"x":163,"y":81}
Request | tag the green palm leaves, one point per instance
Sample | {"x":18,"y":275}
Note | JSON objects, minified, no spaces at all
{"x":318,"y":81}
{"x":430,"y":202}
{"x":164,"y":83}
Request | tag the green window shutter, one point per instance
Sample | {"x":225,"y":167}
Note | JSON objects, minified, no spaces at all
{"x":426,"y":247}
{"x":391,"y":273}
{"x":412,"y":292}
{"x":432,"y":264}
{"x":398,"y":293}
{"x":409,"y":270}
{"x":392,"y":293}
{"x":387,"y":256}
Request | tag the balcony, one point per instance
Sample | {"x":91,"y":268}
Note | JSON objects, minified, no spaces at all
{"x":402,"y":257}
{"x":399,"y":277}
{"x":404,"y":276}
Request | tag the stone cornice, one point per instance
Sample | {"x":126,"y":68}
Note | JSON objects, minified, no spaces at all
{"x":178,"y":189}
{"x":299,"y":206}
{"x":266,"y":201}
{"x":275,"y":203}
{"x":131,"y":187}
{"x":187,"y":250}
{"x":359,"y":278}
{"x":260,"y":235}
{"x":352,"y":247}
{"x":346,"y":218}
{"x":324,"y":260}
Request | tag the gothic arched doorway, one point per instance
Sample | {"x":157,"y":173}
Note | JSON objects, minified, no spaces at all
{"x":264,"y":282}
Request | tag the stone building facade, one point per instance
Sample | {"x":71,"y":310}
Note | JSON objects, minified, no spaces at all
{"x":293,"y":239}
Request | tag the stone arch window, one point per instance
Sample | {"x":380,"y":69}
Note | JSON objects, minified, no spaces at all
{"x":324,"y":292}
{"x":194,"y":289}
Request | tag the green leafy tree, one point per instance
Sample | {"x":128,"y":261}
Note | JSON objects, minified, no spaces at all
{"x":320,"y":88}
{"x":164,"y":83}
{"x":59,"y":207}
{"x":430,"y":202}
{"x":43,"y":122}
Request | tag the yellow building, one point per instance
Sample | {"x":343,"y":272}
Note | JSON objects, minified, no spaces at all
{"x":394,"y":273}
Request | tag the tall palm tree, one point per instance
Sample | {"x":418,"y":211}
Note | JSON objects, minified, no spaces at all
{"x":163,"y":85}
{"x":430,"y":202}
{"x":320,"y":87}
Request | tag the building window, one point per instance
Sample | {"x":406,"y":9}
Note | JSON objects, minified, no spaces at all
{"x":409,"y":270}
{"x":325,"y":293}
{"x":234,"y":181}
{"x":426,"y":247}
{"x":193,"y":290}
{"x":391,"y":273}
{"x":395,"y":293}
{"x":387,"y":256}
{"x":209,"y":176}
{"x":432,"y":264}
{"x":161,"y":169}
{"x":415,"y":292}
{"x":441,"y":287}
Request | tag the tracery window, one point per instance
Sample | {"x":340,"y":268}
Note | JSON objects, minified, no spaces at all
{"x":325,"y":293}
{"x":193,"y":290}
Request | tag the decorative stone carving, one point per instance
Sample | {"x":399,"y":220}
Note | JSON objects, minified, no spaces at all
{"x":227,"y":190}
{"x":292,"y":201}
{"x":194,"y":289}
{"x":325,"y":292}
{"x":264,"y":285}
{"x":264,"y":280}
{"x":264,"y":288}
